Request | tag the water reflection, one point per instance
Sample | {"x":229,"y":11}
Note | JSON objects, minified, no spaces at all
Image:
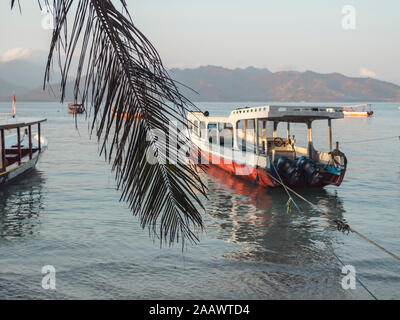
{"x":20,"y":205}
{"x":257,"y":219}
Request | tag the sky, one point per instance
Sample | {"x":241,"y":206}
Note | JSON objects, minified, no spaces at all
{"x":278,"y":35}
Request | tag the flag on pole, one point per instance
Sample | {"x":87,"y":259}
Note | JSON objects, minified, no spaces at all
{"x":13,"y":109}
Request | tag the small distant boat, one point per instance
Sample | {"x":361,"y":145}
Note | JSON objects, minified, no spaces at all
{"x":75,"y":108}
{"x":124,"y":115}
{"x":19,"y":152}
{"x":359,"y":110}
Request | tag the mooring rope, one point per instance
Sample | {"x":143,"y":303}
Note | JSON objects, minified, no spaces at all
{"x":375,"y":244}
{"x":375,"y":139}
{"x":288,"y":193}
{"x":340,"y":224}
{"x":357,"y":278}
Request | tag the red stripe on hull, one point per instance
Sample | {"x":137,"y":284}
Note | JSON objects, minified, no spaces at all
{"x":261,"y":176}
{"x":256,"y":175}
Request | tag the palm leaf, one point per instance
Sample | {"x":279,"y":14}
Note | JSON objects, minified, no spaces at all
{"x":119,"y":67}
{"x":12,"y":5}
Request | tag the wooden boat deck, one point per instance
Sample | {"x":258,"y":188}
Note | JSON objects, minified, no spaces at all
{"x":16,"y":158}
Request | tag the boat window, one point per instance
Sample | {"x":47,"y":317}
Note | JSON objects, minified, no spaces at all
{"x":212,"y":132}
{"x":226,"y":135}
{"x":196,"y":127}
{"x":250,"y":124}
{"x":202,"y":129}
{"x":251,"y":135}
{"x":245,"y":138}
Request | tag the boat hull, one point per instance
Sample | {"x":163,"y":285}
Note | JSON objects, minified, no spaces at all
{"x":357,"y":113}
{"x":15,"y":169}
{"x":75,"y":110}
{"x":267,"y":177}
{"x":13,"y":173}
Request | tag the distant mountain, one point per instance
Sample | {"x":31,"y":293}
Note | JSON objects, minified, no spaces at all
{"x":25,"y":73}
{"x":21,"y":76}
{"x":52,"y":92}
{"x":7,"y":88}
{"x":25,"y":94}
{"x":251,"y":84}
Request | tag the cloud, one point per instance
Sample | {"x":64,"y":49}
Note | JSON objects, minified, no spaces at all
{"x":364,"y":72}
{"x":17,"y":54}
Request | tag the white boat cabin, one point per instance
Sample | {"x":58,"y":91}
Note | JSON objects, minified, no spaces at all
{"x":21,"y":148}
{"x":245,"y":129}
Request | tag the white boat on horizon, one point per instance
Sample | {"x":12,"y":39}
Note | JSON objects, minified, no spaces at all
{"x":358,"y":110}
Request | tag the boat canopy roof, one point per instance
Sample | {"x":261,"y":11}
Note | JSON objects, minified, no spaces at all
{"x":356,"y":106}
{"x":279,"y":113}
{"x":20,"y":122}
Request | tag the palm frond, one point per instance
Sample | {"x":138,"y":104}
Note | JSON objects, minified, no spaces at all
{"x":13,"y":2}
{"x":119,"y":67}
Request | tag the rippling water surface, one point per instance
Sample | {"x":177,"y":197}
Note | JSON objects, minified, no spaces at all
{"x":66,"y":213}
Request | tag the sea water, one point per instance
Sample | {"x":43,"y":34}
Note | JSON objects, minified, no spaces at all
{"x":66,"y":214}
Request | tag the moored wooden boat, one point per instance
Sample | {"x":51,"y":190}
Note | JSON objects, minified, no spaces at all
{"x":124,"y":115}
{"x":359,"y":110}
{"x":19,"y":152}
{"x":239,"y":145}
{"x":75,"y":108}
